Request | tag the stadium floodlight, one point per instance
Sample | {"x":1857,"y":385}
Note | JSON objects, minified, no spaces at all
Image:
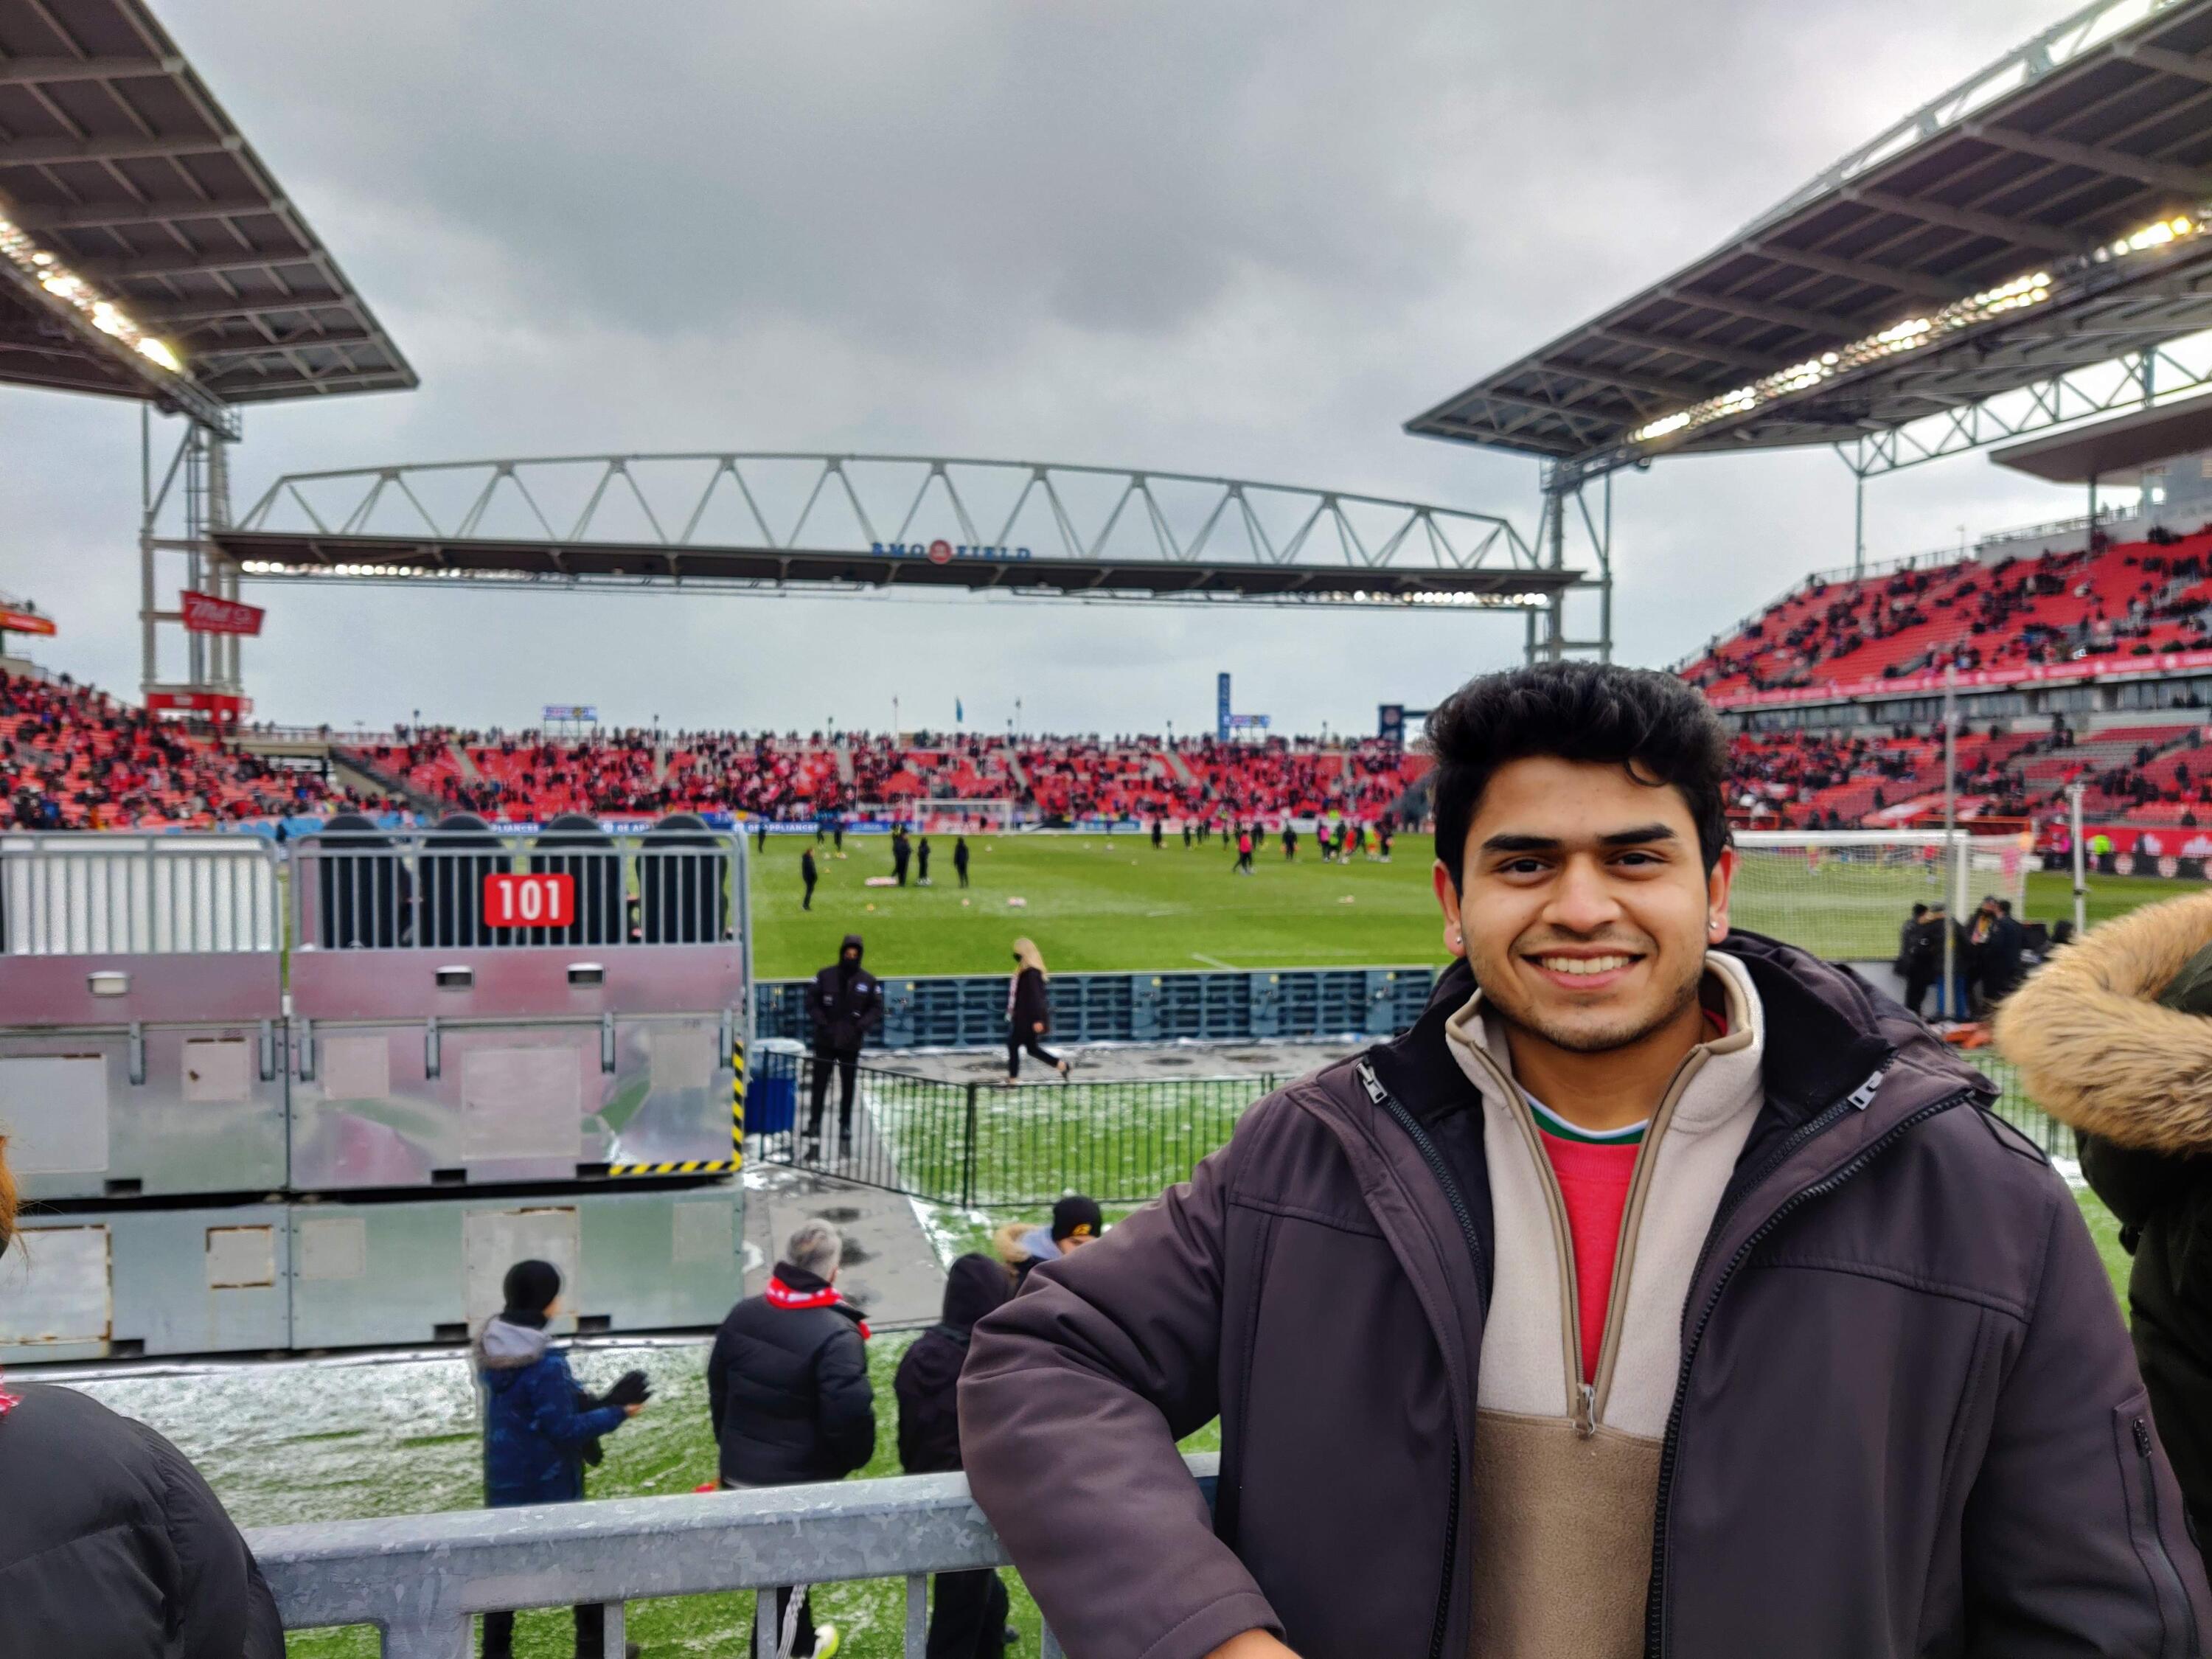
{"x":95,"y":308}
{"x":2160,"y":233}
{"x":2022,"y":293}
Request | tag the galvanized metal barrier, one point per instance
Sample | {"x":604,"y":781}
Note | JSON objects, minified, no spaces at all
{"x":472,"y":1007}
{"x":141,"y":1008}
{"x":968,"y":1011}
{"x":421,"y":1579}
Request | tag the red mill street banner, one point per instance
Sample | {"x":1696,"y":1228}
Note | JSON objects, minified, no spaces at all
{"x":13,"y":621}
{"x":206,"y":614}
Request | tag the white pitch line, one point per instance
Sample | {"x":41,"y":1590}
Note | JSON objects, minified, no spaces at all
{"x":1211,"y":961}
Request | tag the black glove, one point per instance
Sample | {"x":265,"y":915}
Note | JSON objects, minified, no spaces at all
{"x":630,"y":1389}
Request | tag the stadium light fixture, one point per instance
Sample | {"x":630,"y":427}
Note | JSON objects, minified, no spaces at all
{"x":2022,"y":293}
{"x":65,"y":285}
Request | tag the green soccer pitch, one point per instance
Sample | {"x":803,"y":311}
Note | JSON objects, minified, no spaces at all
{"x":1110,"y":904}
{"x":1096,"y":903}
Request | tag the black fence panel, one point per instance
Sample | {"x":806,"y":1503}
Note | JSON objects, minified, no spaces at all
{"x":976,"y":1144}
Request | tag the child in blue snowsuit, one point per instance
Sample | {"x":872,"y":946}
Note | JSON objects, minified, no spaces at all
{"x":539,"y":1427}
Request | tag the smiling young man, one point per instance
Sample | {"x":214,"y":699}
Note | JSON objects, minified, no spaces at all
{"x":1670,"y":1293}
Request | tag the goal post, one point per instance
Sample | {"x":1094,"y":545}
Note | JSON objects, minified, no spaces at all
{"x":939,"y":816}
{"x":1844,"y":894}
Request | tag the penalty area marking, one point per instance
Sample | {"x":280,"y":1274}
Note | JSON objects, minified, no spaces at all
{"x":1211,"y":961}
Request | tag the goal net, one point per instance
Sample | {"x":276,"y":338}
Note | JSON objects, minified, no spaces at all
{"x":939,"y":816}
{"x":1843,"y":895}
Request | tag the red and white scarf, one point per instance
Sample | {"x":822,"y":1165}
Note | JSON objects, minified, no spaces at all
{"x":781,"y":1294}
{"x":7,"y":1402}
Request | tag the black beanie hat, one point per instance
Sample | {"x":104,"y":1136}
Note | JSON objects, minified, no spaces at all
{"x":531,"y":1286}
{"x":1076,"y":1216}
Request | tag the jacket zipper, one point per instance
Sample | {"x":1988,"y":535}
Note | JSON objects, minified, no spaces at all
{"x":1655,"y":1644}
{"x":1425,"y":1144}
{"x":2141,"y":1433}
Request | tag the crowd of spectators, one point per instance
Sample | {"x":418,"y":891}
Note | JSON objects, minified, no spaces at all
{"x":794,"y":777}
{"x":2134,"y":598}
{"x":1804,"y":780}
{"x":74,"y":758}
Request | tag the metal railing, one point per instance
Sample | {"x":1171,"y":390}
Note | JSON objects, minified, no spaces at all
{"x":429,"y":889}
{"x":420,"y":1580}
{"x":71,"y":894}
{"x":978,"y":1145}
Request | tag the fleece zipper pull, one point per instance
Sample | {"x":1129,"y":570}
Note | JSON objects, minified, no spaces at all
{"x":1585,"y":1410}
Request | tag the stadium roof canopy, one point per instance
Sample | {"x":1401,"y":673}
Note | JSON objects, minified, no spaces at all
{"x":145,"y":250}
{"x":2116,"y":451}
{"x":2045,"y":215}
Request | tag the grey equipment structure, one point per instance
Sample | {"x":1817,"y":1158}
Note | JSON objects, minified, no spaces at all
{"x":141,"y":1010}
{"x":209,"y":1171}
{"x":147,"y":251}
{"x":2026,"y":250}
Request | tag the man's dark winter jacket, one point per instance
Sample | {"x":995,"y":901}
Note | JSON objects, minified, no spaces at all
{"x":112,"y":1546}
{"x":928,"y":1378}
{"x":1905,"y":1421}
{"x":2111,"y":1035}
{"x":787,"y":1389}
{"x":2000,"y":964}
{"x":847,"y":1001}
{"x":537,"y":1427}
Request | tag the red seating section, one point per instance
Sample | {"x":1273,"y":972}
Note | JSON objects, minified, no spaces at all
{"x":533,"y":777}
{"x":74,"y":758}
{"x":2130,"y":600}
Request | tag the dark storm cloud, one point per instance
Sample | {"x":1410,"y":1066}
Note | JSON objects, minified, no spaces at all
{"x":1241,"y":238}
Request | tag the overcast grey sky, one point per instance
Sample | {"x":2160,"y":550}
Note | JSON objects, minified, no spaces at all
{"x":1229,"y":238}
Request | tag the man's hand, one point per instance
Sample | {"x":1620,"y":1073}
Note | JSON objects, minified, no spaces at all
{"x":1252,"y":1644}
{"x":633,"y":1410}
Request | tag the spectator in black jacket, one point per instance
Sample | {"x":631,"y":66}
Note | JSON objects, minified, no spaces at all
{"x":847,"y":1003}
{"x":788,"y":1394}
{"x":111,"y":1544}
{"x":1029,"y":1013}
{"x":969,"y":1619}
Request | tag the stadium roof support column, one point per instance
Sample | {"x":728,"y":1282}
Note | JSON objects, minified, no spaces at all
{"x":1547,"y":639}
{"x":194,"y":493}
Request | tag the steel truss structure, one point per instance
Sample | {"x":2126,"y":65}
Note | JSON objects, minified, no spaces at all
{"x":2137,"y":381}
{"x":875,"y":522}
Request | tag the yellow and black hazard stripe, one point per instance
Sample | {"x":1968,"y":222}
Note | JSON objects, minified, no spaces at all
{"x":690,"y":1166}
{"x":736,"y":1101}
{"x":729,"y":1165}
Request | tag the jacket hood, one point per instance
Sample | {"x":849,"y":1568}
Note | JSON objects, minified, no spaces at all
{"x":1018,"y":1241}
{"x":500,"y":1347}
{"x":975,"y":1285}
{"x":852,"y":943}
{"x":2098,"y":1050}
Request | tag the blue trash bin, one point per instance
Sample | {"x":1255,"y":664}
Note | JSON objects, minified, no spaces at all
{"x":772,"y":1095}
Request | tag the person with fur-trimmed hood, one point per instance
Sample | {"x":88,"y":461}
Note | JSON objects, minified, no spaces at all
{"x":1076,"y":1221}
{"x":2112,"y":1036}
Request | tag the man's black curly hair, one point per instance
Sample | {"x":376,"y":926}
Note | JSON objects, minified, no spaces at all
{"x":1654,"y":726}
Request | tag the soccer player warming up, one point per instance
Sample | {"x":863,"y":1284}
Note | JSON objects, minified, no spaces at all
{"x":1664,"y":1292}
